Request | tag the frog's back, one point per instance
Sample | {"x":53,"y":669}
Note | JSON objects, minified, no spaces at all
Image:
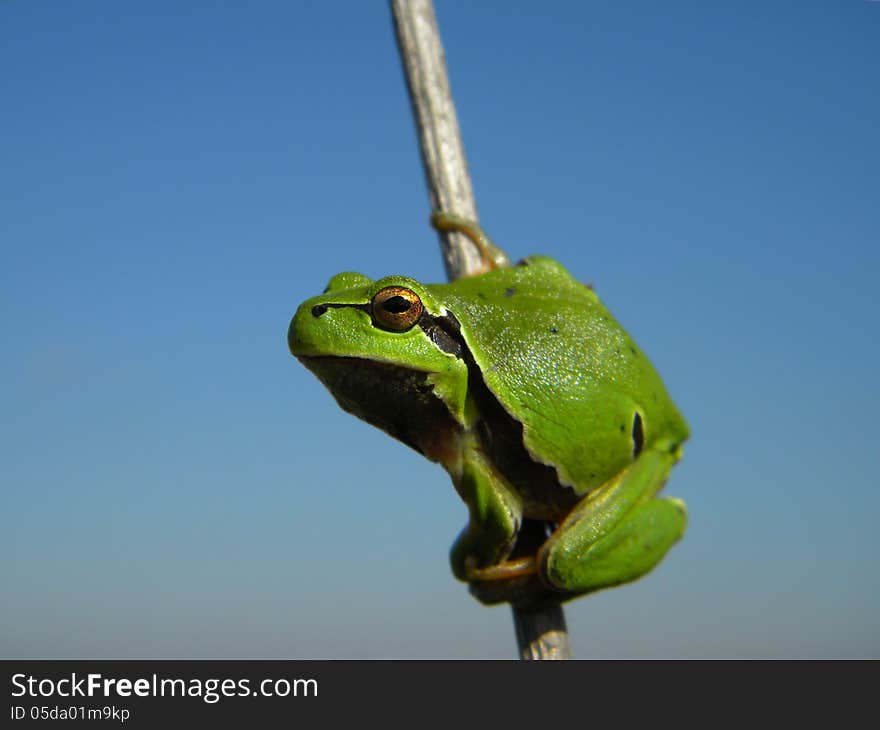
{"x":559,"y":363}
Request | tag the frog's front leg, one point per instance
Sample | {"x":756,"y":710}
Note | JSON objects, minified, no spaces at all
{"x":618,"y":532}
{"x":495,"y":513}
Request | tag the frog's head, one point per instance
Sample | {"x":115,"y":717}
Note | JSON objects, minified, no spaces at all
{"x":387,"y":351}
{"x":394,"y":320}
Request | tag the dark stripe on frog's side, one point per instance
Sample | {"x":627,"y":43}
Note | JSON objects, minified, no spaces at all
{"x":543,"y":496}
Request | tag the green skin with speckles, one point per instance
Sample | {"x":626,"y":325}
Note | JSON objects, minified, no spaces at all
{"x":531,"y":395}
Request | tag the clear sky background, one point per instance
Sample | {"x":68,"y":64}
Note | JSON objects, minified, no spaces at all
{"x":176,"y":177}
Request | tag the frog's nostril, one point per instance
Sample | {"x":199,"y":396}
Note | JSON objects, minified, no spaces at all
{"x":318,"y":310}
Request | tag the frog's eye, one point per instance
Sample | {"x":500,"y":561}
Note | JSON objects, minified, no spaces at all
{"x":396,"y":308}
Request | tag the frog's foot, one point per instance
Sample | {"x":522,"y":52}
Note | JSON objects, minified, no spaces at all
{"x":505,"y":570}
{"x":617,"y":533}
{"x":478,"y":546}
{"x":491,"y":577}
{"x":516,"y":582}
{"x":492,"y":256}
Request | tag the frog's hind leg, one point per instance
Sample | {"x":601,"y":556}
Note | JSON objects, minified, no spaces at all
{"x":618,"y":532}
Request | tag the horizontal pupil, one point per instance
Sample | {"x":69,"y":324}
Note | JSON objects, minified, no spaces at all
{"x":396,"y":305}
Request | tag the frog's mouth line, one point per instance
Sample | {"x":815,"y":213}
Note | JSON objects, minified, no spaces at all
{"x":398,"y":400}
{"x":354,"y":362}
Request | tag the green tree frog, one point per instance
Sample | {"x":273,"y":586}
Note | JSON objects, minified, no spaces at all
{"x":524,"y":387}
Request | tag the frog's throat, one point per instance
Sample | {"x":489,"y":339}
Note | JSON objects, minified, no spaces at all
{"x":398,"y":400}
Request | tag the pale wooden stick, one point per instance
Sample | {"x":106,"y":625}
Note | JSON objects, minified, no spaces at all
{"x":449,"y":184}
{"x":541,"y":633}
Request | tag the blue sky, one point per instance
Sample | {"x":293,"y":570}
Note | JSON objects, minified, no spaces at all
{"x":176,"y":177}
